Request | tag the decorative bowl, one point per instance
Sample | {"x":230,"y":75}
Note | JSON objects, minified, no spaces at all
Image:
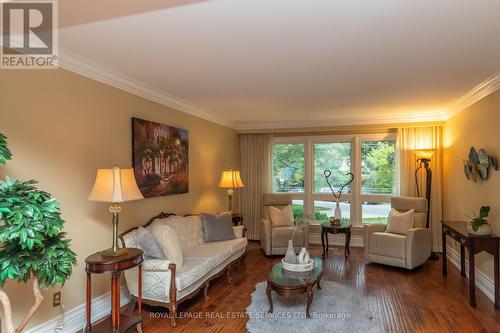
{"x":298,"y":267}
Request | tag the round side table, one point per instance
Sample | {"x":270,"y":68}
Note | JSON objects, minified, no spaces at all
{"x":99,"y":264}
{"x":344,"y":228}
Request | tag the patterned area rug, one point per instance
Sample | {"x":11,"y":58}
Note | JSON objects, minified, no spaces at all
{"x":334,"y":309}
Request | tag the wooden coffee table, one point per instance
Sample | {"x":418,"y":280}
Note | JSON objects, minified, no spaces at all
{"x":288,"y":284}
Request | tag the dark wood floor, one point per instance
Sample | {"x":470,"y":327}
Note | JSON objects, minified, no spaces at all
{"x":401,"y":301}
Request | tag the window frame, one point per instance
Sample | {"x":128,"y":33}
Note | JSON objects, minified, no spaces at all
{"x":356,"y":197}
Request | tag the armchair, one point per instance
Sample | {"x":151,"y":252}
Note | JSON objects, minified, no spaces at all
{"x":274,"y":239}
{"x":407,"y":251}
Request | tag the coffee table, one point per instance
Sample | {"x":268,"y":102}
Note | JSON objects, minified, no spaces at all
{"x":288,"y":284}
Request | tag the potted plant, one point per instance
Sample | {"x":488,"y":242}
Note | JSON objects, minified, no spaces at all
{"x":478,"y":225}
{"x":32,"y":245}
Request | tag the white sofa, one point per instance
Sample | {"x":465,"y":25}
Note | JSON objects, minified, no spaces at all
{"x":407,"y":251}
{"x":165,"y":285}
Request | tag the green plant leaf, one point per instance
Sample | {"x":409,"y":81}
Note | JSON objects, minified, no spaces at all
{"x":484,"y":211}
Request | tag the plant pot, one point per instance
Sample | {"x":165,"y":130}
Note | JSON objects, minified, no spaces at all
{"x":483,"y":230}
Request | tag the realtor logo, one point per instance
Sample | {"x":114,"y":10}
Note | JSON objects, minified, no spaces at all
{"x":29,"y":35}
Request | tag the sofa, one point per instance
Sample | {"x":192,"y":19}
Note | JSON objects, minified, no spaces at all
{"x":406,"y":251}
{"x":165,"y":285}
{"x":274,"y":239}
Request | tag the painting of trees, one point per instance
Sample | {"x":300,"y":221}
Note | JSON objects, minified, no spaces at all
{"x":160,"y":158}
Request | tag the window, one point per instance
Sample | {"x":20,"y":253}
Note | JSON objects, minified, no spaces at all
{"x":298,"y":169}
{"x":335,"y":157}
{"x":288,"y":167}
{"x":375,"y":212}
{"x":377,"y":167}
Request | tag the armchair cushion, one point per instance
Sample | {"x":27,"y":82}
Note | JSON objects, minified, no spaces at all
{"x":387,"y":244}
{"x":400,"y":223}
{"x":281,"y":216}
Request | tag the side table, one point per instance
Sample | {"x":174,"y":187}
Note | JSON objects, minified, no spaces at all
{"x":99,"y":264}
{"x":344,"y":228}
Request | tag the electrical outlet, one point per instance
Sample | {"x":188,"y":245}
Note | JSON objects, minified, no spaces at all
{"x":56,"y":299}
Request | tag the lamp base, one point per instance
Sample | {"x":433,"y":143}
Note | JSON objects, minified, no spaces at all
{"x":113,"y":253}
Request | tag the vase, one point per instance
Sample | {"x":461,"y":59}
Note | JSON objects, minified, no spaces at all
{"x":290,"y":256}
{"x":303,"y":257}
{"x":483,"y":230}
{"x":337,"y":215}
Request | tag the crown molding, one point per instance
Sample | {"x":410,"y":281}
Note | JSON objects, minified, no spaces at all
{"x":435,"y":116}
{"x":85,"y":67}
{"x":77,"y":64}
{"x":477,"y":93}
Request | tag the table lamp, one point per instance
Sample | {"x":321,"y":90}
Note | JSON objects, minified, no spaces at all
{"x":230,"y":179}
{"x":115,"y":185}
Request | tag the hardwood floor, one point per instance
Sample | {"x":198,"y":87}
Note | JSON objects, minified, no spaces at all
{"x":401,"y":301}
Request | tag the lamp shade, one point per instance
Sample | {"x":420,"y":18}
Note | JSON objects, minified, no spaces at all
{"x":424,"y":153}
{"x":115,"y":185}
{"x":230,"y":179}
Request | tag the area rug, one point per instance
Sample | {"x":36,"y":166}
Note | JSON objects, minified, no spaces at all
{"x":334,"y":309}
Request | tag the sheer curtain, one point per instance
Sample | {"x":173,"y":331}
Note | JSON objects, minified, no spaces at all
{"x":256,"y":162}
{"x":409,"y":141}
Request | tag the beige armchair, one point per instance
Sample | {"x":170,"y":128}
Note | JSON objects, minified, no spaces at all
{"x":407,"y":251}
{"x":274,"y":239}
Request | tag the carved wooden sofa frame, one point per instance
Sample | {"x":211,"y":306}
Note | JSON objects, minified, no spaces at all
{"x":174,"y":302}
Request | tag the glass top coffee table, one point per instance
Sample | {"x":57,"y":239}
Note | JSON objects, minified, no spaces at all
{"x":288,"y":284}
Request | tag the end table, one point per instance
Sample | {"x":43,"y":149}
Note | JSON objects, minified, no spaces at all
{"x":99,"y":264}
{"x":344,"y":228}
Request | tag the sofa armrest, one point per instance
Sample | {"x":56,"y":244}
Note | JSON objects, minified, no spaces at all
{"x":265,"y":235}
{"x":158,"y":280}
{"x":156,"y":265}
{"x":239,"y":231}
{"x":418,"y":246}
{"x":369,"y":229}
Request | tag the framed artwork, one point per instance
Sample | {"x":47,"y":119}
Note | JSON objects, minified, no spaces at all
{"x":160,"y":158}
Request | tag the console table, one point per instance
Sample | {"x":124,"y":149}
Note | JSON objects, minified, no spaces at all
{"x":474,"y":244}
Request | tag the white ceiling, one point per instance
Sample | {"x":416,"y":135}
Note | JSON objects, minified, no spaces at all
{"x":288,"y":63}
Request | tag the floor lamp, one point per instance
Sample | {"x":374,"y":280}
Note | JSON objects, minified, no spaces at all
{"x":424,"y":159}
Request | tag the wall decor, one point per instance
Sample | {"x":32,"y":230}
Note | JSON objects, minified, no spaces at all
{"x":160,"y":158}
{"x":477,"y":167}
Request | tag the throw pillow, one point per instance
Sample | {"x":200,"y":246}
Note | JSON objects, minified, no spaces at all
{"x":169,"y":243}
{"x":148,"y":244}
{"x":400,"y":223}
{"x":281,"y":216}
{"x":217,"y":227}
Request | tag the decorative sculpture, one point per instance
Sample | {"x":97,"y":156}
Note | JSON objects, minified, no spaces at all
{"x":337,"y":216}
{"x":478,"y":165}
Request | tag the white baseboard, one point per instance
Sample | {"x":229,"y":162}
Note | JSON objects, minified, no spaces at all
{"x":336,"y":240}
{"x":74,"y":319}
{"x":483,"y":281}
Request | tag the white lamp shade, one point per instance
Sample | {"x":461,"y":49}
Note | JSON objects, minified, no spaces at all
{"x":115,"y":185}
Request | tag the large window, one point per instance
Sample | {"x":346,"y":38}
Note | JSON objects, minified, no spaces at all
{"x":298,"y":169}
{"x":288,"y":167}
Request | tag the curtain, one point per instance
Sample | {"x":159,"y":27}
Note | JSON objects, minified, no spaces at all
{"x":409,"y":141}
{"x":256,"y":162}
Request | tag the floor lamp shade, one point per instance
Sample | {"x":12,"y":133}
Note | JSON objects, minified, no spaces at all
{"x":114,"y":186}
{"x":230,"y":179}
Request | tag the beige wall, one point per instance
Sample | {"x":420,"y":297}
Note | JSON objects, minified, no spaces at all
{"x":478,"y":126}
{"x":61,"y":127}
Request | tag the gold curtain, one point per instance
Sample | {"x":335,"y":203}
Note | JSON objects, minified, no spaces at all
{"x":409,"y":141}
{"x":256,"y":163}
